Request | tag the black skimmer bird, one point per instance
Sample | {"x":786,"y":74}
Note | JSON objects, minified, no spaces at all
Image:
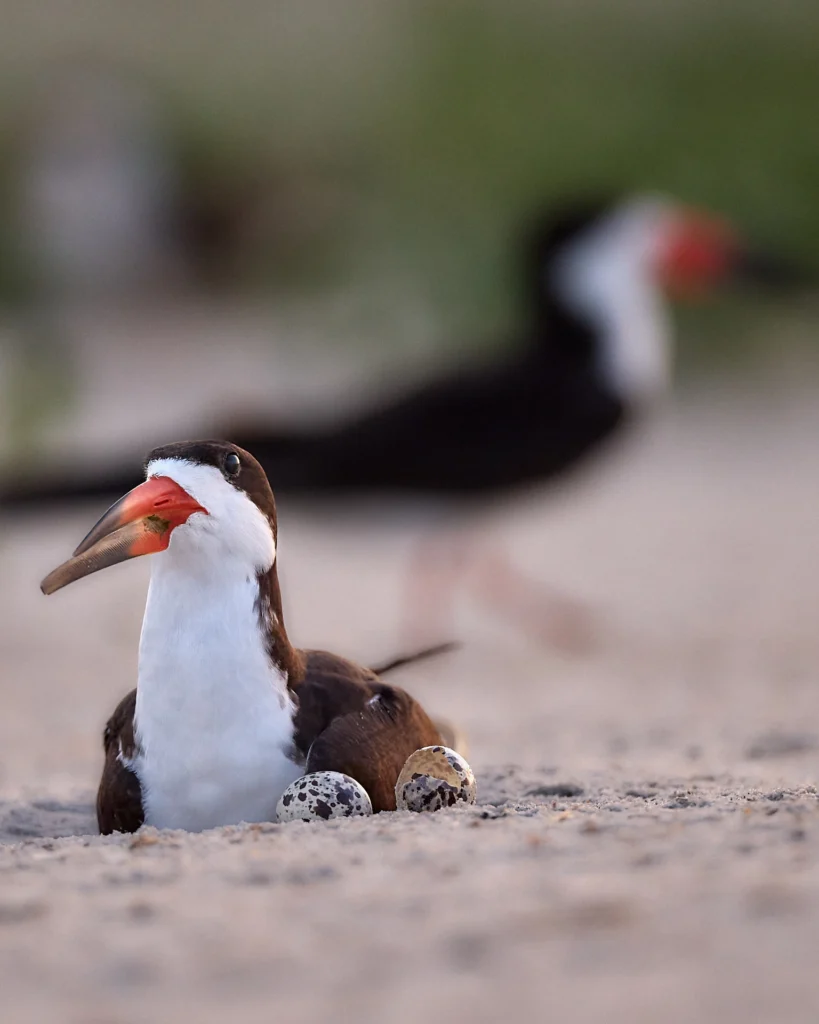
{"x":226,"y":712}
{"x":597,"y":350}
{"x":595,"y":353}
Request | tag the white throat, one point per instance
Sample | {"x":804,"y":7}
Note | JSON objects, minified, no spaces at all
{"x":214,"y":719}
{"x":607,"y":278}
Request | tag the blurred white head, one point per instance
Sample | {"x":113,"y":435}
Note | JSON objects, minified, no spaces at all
{"x":615,"y":276}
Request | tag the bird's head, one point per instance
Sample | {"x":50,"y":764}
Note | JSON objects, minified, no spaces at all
{"x":208,"y":504}
{"x":682,"y":251}
{"x":599,"y":273}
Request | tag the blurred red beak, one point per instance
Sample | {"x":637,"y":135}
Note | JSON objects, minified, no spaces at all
{"x":697,"y":254}
{"x":700,"y":253}
{"x":140,"y":523}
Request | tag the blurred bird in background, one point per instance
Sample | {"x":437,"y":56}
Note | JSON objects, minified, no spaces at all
{"x":594,"y":354}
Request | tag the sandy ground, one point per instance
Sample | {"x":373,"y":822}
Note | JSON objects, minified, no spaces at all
{"x":646,"y":844}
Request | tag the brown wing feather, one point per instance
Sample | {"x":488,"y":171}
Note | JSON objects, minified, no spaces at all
{"x":349,"y":721}
{"x":329,"y":686}
{"x":119,"y":797}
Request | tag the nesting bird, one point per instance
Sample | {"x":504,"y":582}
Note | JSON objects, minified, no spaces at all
{"x":226,"y":713}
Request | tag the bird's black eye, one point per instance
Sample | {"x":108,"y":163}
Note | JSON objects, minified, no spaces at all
{"x":232,"y":464}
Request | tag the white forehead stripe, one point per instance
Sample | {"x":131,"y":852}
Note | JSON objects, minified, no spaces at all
{"x":234,"y":529}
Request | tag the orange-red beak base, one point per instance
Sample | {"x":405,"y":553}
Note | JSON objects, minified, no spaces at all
{"x":140,"y":523}
{"x":697,"y":255}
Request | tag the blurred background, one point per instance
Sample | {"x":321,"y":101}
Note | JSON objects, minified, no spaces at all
{"x":267,"y":183}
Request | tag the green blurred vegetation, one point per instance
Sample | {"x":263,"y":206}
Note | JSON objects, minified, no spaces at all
{"x":448,"y":122}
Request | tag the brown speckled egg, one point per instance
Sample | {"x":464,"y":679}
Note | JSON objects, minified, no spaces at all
{"x":322,"y":795}
{"x":432,"y":778}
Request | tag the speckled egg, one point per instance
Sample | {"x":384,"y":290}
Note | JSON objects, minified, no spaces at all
{"x":322,"y":795}
{"x":432,"y":778}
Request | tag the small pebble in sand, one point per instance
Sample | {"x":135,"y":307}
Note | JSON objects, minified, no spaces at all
{"x":322,"y":795}
{"x":432,"y":778}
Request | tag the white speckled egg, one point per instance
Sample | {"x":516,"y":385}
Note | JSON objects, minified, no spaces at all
{"x":322,"y":795}
{"x":432,"y":778}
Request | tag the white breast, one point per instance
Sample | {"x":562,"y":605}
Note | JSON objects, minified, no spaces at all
{"x":214,"y":721}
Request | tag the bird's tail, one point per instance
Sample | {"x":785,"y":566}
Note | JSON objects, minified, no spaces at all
{"x":411,"y":659}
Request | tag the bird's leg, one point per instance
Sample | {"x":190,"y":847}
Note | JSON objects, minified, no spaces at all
{"x":429,"y":602}
{"x":551,"y":618}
